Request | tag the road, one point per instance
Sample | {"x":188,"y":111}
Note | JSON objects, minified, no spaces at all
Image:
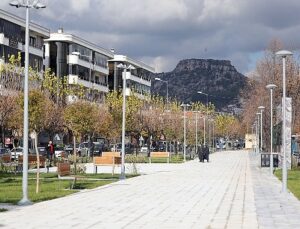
{"x":229,"y":192}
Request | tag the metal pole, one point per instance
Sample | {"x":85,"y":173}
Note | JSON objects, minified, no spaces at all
{"x":167,"y":95}
{"x":122,"y":177}
{"x":213,"y":139}
{"x":25,"y":200}
{"x":271,"y":127}
{"x":204,"y":138}
{"x":261,"y":130}
{"x":284,"y":168}
{"x":196,"y":133}
{"x":258,"y":125}
{"x":90,"y":78}
{"x":184,"y":133}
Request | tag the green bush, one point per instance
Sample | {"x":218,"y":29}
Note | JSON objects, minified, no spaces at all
{"x":136,"y":159}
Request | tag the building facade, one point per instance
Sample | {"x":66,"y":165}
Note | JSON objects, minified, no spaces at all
{"x":80,"y":61}
{"x":12,"y":40}
{"x":140,"y":79}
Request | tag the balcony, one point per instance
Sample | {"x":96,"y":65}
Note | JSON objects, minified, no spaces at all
{"x":74,"y":59}
{"x":74,"y":79}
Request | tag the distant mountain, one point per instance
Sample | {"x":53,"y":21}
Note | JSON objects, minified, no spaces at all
{"x":217,"y":78}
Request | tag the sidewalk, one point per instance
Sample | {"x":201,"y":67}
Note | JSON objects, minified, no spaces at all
{"x":229,"y":192}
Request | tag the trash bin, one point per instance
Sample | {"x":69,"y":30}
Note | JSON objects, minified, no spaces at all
{"x":265,"y":160}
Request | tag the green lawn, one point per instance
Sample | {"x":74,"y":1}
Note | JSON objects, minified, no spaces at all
{"x":145,"y":159}
{"x":293,"y":181}
{"x":50,"y":186}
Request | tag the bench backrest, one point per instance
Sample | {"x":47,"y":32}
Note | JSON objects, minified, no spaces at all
{"x":32,"y":159}
{"x":160,"y":154}
{"x":5,"y":158}
{"x":63,"y":168}
{"x":111,"y":154}
{"x":107,"y":160}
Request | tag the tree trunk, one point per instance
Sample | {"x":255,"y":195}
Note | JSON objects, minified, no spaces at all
{"x":37,"y":162}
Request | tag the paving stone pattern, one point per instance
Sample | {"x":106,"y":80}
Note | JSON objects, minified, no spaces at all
{"x":229,"y":192}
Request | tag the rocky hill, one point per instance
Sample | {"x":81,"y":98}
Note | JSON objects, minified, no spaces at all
{"x":217,"y":78}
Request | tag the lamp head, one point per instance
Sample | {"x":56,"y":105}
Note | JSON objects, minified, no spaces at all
{"x":261,"y":107}
{"x":185,"y":105}
{"x":284,"y":53}
{"x":15,"y":4}
{"x":121,"y":66}
{"x":130,"y":67}
{"x":156,"y":78}
{"x":39,"y":5}
{"x":76,"y":53}
{"x":271,"y":86}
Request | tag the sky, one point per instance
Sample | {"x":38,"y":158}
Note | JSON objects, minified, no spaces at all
{"x":162,"y":32}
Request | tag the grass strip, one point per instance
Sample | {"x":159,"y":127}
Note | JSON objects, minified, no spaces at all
{"x":293,"y":182}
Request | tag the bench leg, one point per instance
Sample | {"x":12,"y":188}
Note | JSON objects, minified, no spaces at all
{"x":113,"y":170}
{"x":150,"y":160}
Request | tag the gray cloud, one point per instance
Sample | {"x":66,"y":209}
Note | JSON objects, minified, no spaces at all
{"x":161,"y":32}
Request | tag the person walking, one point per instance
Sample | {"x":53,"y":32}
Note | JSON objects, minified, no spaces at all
{"x":50,"y":152}
{"x":200,"y":153}
{"x":206,"y":153}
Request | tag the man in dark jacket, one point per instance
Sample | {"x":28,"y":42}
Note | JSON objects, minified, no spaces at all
{"x":200,"y":153}
{"x":206,"y":153}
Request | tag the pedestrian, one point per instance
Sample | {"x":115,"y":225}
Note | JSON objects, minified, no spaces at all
{"x":199,"y":153}
{"x":206,"y":153}
{"x":50,"y":152}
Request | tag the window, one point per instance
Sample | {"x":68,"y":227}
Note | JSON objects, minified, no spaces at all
{"x":32,"y":41}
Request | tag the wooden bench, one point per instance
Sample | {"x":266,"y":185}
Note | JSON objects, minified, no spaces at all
{"x":32,"y":160}
{"x":108,"y":158}
{"x":64,"y":173}
{"x":7,"y":164}
{"x":160,"y":155}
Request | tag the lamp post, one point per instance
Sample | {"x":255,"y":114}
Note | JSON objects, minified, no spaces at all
{"x":28,"y":5}
{"x":125,"y":68}
{"x":283,"y":54}
{"x":204,"y":120}
{"x":90,"y":69}
{"x":165,"y":81}
{"x":196,"y":140}
{"x":258,"y":134}
{"x":184,"y":129}
{"x":261,"y":108}
{"x":271,"y":87}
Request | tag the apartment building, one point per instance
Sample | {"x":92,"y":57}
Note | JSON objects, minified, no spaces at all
{"x":80,"y":61}
{"x":12,"y":39}
{"x":139,"y":82}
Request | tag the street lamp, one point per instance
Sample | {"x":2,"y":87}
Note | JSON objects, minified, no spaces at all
{"x":90,"y":69}
{"x":165,"y":81}
{"x":28,"y":5}
{"x":204,"y":120}
{"x":271,"y":87}
{"x":261,"y":108}
{"x":125,"y":68}
{"x":196,"y":140}
{"x":283,"y":54}
{"x":258,"y":134}
{"x":184,"y":129}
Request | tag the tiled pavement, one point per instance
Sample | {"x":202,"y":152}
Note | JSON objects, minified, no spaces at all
{"x":229,"y":192}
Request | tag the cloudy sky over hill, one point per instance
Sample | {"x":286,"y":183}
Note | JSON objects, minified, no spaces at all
{"x":161,"y":32}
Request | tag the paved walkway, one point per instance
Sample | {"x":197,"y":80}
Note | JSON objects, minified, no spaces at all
{"x":229,"y":192}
